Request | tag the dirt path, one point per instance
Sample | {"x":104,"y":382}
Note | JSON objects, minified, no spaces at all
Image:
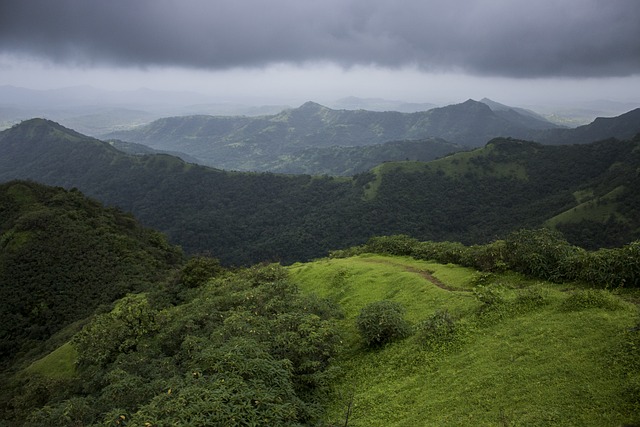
{"x":426,"y":274}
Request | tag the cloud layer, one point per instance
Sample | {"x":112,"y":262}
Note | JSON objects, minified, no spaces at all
{"x":542,"y":38}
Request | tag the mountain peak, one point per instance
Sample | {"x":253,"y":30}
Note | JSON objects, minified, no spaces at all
{"x":312,"y":106}
{"x":39,"y":127}
{"x":39,"y":130}
{"x":472,"y":103}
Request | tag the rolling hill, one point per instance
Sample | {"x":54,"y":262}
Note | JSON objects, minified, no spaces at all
{"x":255,"y":143}
{"x":587,"y":191}
{"x":529,"y":356}
{"x":624,"y":126}
{"x":273,"y":346}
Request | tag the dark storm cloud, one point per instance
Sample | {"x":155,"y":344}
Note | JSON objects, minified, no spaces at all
{"x":540,"y":38}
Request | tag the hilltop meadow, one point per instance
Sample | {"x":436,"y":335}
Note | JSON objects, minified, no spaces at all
{"x":394,"y":332}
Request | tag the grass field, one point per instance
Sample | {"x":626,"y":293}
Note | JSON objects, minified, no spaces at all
{"x":541,"y":355}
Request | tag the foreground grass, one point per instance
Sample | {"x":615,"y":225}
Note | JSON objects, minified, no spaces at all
{"x":547,"y":363}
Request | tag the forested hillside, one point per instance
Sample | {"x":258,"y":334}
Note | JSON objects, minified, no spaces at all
{"x":349,"y":161}
{"x":625,"y":126}
{"x":63,"y":255}
{"x":243,"y":218}
{"x":392,"y":332}
{"x":259,"y":143}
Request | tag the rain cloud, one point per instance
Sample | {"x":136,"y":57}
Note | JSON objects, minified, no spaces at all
{"x":508,"y":38}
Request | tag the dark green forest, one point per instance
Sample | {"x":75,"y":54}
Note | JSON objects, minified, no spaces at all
{"x":348,"y":161}
{"x":587,"y":191}
{"x":62,"y":256}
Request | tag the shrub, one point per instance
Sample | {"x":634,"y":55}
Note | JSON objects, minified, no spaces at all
{"x":382,"y":322}
{"x":440,"y":328}
{"x":590,"y":298}
{"x":489,"y":296}
{"x":489,"y":257}
{"x":613,"y":267}
{"x":442,"y":252}
{"x":199,"y":270}
{"x":539,"y":253}
{"x":400,"y":245}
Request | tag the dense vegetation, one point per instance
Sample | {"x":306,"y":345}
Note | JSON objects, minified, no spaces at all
{"x":279,"y":142}
{"x":587,"y":191}
{"x":541,"y":254}
{"x":63,"y":255}
{"x":243,"y":348}
{"x":347,"y":161}
{"x":357,"y":339}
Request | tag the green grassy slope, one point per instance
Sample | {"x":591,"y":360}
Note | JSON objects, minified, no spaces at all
{"x":537,"y":358}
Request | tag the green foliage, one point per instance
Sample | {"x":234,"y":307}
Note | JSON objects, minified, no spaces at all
{"x":400,"y":245}
{"x":382,"y":322}
{"x":357,"y":160}
{"x":198,"y":270}
{"x":437,"y":330}
{"x":619,"y":267}
{"x":246,"y":348}
{"x":117,"y":332}
{"x":489,"y":257}
{"x":490,"y":296}
{"x":63,"y":255}
{"x":541,"y":253}
{"x":244,"y":218}
{"x":530,"y":298}
{"x":538,"y":253}
{"x":443,"y":252}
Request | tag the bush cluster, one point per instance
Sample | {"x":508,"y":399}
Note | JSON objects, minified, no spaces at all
{"x":438,"y":329}
{"x":540,"y":253}
{"x":246,"y":349}
{"x":382,"y":322}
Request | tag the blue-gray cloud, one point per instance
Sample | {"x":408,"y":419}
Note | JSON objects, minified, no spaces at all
{"x":542,"y":38}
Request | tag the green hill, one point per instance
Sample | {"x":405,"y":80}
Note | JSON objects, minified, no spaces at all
{"x":524,"y":355}
{"x":243,"y":218}
{"x":63,"y":255}
{"x":273,"y":346}
{"x":625,"y":126}
{"x":348,"y":161}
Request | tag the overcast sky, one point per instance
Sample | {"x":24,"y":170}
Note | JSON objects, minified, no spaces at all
{"x":438,"y":51}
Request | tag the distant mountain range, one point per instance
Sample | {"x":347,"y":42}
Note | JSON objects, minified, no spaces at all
{"x":95,"y":111}
{"x":378,"y":104}
{"x":306,"y":138}
{"x":589,"y":191}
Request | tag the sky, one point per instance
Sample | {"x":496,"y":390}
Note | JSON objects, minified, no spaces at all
{"x":441,"y":51}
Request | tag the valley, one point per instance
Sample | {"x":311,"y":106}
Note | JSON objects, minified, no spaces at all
{"x":510,"y":267}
